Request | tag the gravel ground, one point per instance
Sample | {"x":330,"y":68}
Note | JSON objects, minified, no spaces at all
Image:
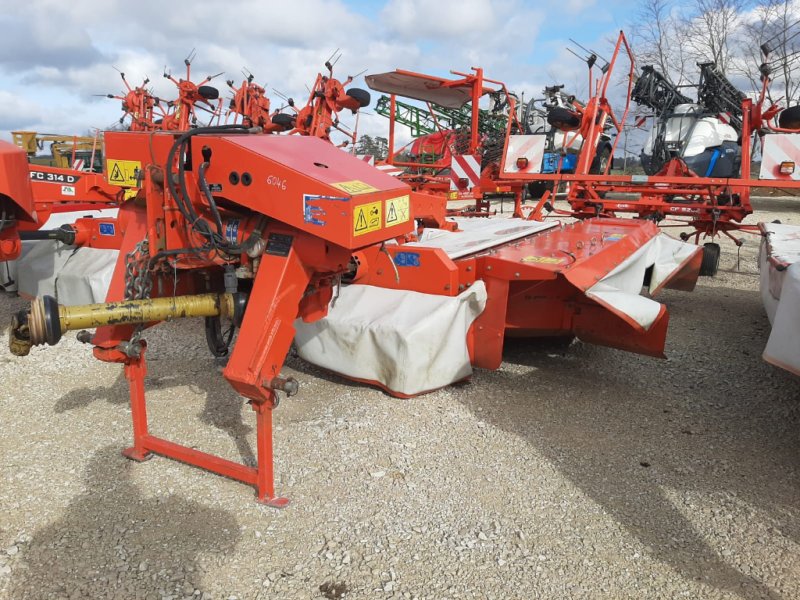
{"x":569,"y":473}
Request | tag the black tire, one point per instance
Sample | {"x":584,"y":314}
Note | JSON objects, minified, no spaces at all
{"x":361,"y":96}
{"x":601,"y":160}
{"x":536,"y":189}
{"x":563,"y":119}
{"x":209,"y":92}
{"x":284,"y":120}
{"x":710,"y":264}
{"x":790,"y":118}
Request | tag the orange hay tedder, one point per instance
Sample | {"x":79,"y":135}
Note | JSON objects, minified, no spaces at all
{"x":290,"y":238}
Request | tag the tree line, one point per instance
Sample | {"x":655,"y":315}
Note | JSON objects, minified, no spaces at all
{"x":675,"y":35}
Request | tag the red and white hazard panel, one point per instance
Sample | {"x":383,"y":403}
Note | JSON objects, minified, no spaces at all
{"x":367,"y":158}
{"x":780,"y":157}
{"x":465,"y":172}
{"x":524,"y":154}
{"x":390,"y":170}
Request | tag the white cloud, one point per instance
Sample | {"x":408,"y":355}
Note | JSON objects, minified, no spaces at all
{"x":75,"y":46}
{"x":16,"y":112}
{"x":440,"y":19}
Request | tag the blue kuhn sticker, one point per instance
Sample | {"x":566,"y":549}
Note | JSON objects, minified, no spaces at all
{"x":406,"y":259}
{"x":232,"y":230}
{"x":314,"y":214}
{"x":613,"y":237}
{"x":107,"y":229}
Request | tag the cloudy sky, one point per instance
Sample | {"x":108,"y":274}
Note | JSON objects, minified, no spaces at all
{"x":56,"y":55}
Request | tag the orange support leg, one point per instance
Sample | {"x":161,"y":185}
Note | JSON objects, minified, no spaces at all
{"x":265,"y":487}
{"x":135,"y":371}
{"x":145,"y":445}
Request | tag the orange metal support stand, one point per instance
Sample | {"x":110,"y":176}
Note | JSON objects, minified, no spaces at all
{"x":145,"y":444}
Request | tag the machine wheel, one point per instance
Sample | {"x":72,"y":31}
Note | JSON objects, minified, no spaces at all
{"x":563,"y":119}
{"x":536,"y":189}
{"x":284,"y":120}
{"x":219,"y":339}
{"x":790,"y":118}
{"x":361,"y":96}
{"x":209,"y":92}
{"x":710,"y":264}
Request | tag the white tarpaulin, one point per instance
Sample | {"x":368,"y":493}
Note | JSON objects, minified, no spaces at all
{"x":478,"y":235}
{"x":406,"y":342}
{"x":620,"y":290}
{"x":72,"y":275}
{"x":86,"y":276}
{"x":780,"y":293}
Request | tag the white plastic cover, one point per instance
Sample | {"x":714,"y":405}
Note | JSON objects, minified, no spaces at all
{"x":785,"y":241}
{"x":406,"y":342}
{"x":783,"y":346}
{"x":780,"y":292}
{"x":619,"y":290}
{"x":477,"y":235}
{"x":73,"y":276}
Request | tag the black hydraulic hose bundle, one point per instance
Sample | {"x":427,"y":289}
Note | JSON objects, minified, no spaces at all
{"x":216,"y":240}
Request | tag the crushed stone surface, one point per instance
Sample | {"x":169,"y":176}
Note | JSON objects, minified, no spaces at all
{"x":570,"y":472}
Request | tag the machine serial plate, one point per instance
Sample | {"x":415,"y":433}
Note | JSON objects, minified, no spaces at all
{"x":279,"y":244}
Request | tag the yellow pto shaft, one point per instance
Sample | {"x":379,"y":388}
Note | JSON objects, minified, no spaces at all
{"x":47,"y":320}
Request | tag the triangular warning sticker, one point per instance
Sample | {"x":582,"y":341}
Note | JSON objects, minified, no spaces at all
{"x":392,"y":216}
{"x":116,"y":174}
{"x":361,"y":221}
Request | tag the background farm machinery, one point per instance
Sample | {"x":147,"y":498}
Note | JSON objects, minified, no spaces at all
{"x":552,"y":117}
{"x":697,"y":157}
{"x":458,"y":144}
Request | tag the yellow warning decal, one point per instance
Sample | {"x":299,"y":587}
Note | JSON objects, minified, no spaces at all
{"x":355,"y":187}
{"x":366,"y":218}
{"x":452,"y":195}
{"x":397,"y":210}
{"x":547,"y":260}
{"x":123,"y":172}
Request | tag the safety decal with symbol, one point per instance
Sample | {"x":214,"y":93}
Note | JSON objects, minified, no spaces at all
{"x":123,"y":172}
{"x":355,"y":187}
{"x":367,"y":218}
{"x":397,"y":210}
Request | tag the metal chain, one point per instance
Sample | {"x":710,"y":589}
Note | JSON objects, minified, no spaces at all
{"x":138,"y":284}
{"x":138,"y":279}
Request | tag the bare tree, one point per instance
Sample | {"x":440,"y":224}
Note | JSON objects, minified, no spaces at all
{"x":709,"y":30}
{"x":776,"y":23}
{"x":657,"y":39}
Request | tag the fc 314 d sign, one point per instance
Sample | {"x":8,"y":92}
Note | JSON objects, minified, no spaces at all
{"x":49,"y":177}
